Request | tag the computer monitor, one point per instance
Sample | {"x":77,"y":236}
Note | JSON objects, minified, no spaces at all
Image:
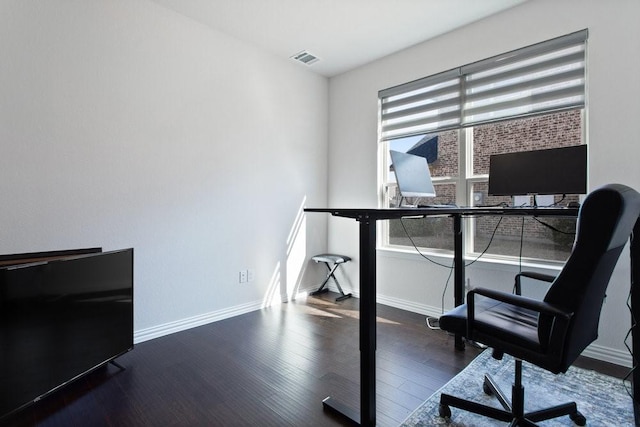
{"x":551,"y":171}
{"x":412,"y":174}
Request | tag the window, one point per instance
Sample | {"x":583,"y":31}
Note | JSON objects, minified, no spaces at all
{"x":528,"y":99}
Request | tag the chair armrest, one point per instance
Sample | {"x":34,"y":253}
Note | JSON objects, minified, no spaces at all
{"x":532,"y":275}
{"x":560,"y":317}
{"x":517,"y":300}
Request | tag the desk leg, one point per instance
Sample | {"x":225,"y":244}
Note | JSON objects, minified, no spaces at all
{"x":458,"y":271}
{"x":367,"y":331}
{"x":368,"y":322}
{"x":634,"y":249}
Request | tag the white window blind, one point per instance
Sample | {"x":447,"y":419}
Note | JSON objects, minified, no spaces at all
{"x":542,"y":78}
{"x":422,"y":106}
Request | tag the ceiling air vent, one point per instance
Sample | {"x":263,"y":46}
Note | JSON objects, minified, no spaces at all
{"x":305,"y":57}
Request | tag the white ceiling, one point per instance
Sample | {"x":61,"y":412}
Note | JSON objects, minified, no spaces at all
{"x":344,"y":34}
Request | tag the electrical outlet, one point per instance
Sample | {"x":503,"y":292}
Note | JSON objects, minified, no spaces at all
{"x":250,"y":275}
{"x":242,"y":276}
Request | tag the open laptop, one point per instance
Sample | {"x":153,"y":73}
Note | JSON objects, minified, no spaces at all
{"x":412,"y":174}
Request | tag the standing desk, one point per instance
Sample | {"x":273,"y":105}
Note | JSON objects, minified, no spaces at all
{"x":367,"y":219}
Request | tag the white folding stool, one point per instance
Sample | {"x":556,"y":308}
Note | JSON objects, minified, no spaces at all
{"x":332,"y":261}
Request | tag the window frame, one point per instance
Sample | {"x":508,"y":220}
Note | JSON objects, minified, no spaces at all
{"x":464,"y":183}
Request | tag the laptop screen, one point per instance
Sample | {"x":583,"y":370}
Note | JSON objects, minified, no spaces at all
{"x":412,"y":174}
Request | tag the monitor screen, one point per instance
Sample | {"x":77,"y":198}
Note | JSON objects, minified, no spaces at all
{"x":552,"y":171}
{"x":412,"y":174}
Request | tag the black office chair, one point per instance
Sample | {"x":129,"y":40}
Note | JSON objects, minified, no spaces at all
{"x":553,"y":332}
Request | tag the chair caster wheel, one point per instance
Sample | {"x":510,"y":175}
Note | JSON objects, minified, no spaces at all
{"x":578,"y":419}
{"x":444,"y":411}
{"x":487,"y":390}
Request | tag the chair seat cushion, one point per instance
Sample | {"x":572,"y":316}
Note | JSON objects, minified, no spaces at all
{"x":331,"y":258}
{"x":496,"y":323}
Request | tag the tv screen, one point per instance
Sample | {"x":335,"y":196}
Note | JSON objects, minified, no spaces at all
{"x":60,"y":319}
{"x":552,"y":171}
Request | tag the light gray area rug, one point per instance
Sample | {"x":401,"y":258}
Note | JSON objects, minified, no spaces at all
{"x":602,"y":399}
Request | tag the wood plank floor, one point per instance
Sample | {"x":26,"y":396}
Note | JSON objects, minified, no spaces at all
{"x":271,"y":367}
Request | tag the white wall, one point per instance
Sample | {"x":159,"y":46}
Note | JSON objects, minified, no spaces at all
{"x":124,"y":124}
{"x":613,"y":109}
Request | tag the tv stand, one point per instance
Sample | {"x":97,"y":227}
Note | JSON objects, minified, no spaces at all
{"x":117,"y":365}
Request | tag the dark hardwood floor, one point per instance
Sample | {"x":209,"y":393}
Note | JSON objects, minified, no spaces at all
{"x":271,"y":367}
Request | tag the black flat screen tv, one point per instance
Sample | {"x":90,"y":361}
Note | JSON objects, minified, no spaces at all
{"x":552,"y":171}
{"x":61,"y":316}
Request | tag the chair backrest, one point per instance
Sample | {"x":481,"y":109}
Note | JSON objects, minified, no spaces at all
{"x":605,"y":222}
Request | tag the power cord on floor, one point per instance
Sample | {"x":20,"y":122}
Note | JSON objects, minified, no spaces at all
{"x":433,"y":323}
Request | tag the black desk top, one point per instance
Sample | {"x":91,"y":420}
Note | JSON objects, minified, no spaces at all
{"x":390,"y":213}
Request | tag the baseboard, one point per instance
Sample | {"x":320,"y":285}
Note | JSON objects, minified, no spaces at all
{"x":611,"y":355}
{"x":411,"y":306}
{"x":194,"y":321}
{"x":158,"y":331}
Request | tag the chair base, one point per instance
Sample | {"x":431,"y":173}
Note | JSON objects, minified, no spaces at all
{"x":513,"y":412}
